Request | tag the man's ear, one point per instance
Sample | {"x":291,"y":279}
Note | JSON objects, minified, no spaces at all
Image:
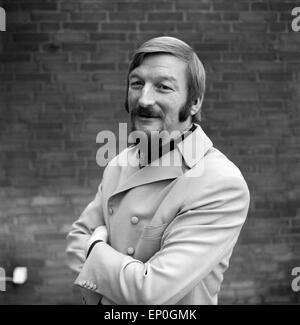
{"x":196,"y":105}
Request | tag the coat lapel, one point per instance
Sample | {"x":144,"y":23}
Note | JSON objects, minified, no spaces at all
{"x":194,"y":147}
{"x":170,"y":166}
{"x":158,"y":170}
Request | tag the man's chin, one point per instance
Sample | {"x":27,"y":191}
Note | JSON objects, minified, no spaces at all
{"x":147,"y":125}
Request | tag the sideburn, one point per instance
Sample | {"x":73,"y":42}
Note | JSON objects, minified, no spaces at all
{"x":185,"y":111}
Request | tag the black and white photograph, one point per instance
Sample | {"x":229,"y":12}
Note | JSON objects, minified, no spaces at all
{"x":149,"y":154}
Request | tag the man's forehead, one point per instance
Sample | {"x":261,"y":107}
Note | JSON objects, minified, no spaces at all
{"x":163,"y":65}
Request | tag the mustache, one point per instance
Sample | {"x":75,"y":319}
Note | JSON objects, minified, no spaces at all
{"x":146,"y":111}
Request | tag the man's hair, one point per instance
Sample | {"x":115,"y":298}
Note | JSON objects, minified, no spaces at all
{"x":181,"y":50}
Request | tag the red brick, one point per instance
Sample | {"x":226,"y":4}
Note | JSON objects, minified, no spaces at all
{"x":282,"y":5}
{"x":6,"y":76}
{"x":14,"y":57}
{"x":36,"y":5}
{"x":21,"y":47}
{"x":71,"y":36}
{"x":115,"y":55}
{"x":97,"y":6}
{"x":211,"y":47}
{"x":185,"y":27}
{"x":79,"y":57}
{"x":144,"y":6}
{"x":81,"y":26}
{"x":108,"y":36}
{"x":239,"y":76}
{"x":283,"y":16}
{"x":203,"y":16}
{"x":49,"y":27}
{"x":23,"y":27}
{"x":165,"y":16}
{"x":209,"y":56}
{"x":192,"y":5}
{"x":250,"y":27}
{"x":231,"y":16}
{"x":89,"y":47}
{"x":59,"y":66}
{"x":118,"y":26}
{"x":141,"y":36}
{"x":21,"y":67}
{"x":34,"y":77}
{"x":263,"y":56}
{"x":31,"y":37}
{"x":157,"y":26}
{"x":257,"y":6}
{"x":89,"y":16}
{"x":278,"y":27}
{"x":97,"y":66}
{"x":288,"y":56}
{"x":125,"y":16}
{"x":49,"y":16}
{"x":231,"y":6}
{"x":70,"y":6}
{"x":276,"y":76}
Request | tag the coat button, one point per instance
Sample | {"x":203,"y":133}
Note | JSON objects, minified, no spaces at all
{"x":134,"y":220}
{"x":130,"y":250}
{"x":111,"y":210}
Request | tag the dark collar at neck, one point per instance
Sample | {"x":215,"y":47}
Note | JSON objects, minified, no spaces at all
{"x":146,"y":158}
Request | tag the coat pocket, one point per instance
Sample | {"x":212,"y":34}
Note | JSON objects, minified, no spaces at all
{"x":149,"y":242}
{"x":153,"y":232}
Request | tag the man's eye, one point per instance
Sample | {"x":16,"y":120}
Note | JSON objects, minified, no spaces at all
{"x":163,"y":87}
{"x":136,"y":84}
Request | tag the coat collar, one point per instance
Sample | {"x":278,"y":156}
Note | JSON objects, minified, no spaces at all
{"x":191,"y":150}
{"x":194,"y":147}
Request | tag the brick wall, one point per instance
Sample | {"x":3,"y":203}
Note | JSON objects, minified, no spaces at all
{"x":62,"y":70}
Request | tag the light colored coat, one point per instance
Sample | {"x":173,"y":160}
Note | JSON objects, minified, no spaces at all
{"x":171,"y":229}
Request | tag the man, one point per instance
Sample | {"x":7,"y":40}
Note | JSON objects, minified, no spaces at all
{"x":158,"y":233}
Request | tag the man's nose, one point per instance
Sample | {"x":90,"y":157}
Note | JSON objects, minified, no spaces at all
{"x":147,"y":97}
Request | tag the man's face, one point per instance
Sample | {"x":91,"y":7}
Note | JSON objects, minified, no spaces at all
{"x":156,"y":94}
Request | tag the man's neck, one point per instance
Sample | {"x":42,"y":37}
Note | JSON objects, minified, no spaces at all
{"x":175,"y":134}
{"x":164,"y":145}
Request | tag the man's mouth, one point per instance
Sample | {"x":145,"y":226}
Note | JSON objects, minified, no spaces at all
{"x":146,"y":113}
{"x":147,"y":116}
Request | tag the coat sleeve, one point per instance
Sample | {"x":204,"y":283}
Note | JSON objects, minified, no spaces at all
{"x":198,"y":239}
{"x":81,"y":231}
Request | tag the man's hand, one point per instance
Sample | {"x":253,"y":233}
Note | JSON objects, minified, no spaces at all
{"x":100,"y":233}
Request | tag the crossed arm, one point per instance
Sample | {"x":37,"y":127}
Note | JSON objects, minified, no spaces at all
{"x":79,"y":237}
{"x":193,"y":244}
